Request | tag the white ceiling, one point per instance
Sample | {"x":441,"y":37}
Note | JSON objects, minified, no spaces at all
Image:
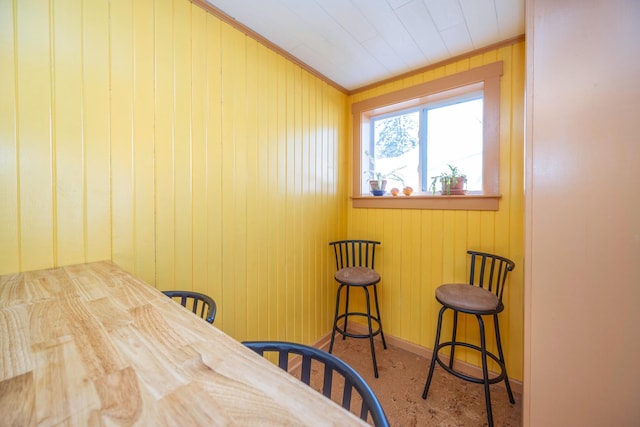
{"x":355,"y":43}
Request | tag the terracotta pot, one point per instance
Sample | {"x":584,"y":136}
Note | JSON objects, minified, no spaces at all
{"x":455,"y":190}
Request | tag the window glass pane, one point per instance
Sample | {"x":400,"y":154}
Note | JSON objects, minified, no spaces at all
{"x":395,"y":148}
{"x":454,"y":136}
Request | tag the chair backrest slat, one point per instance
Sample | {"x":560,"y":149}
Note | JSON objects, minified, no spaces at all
{"x":332,"y":365}
{"x":489,"y":271}
{"x":346,"y":399}
{"x":327,"y":382}
{"x":354,"y":253}
{"x":195,"y":300}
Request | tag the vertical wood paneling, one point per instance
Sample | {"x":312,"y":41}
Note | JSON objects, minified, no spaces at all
{"x":315,"y":242}
{"x":289,"y":204}
{"x":273,"y":203}
{"x":253,"y":190}
{"x":298,"y":259}
{"x":9,"y":190}
{"x":423,"y":249}
{"x":143,"y":140}
{"x":182,"y":146}
{"x":199,"y":45}
{"x":121,"y":132}
{"x":33,"y":136}
{"x":281,"y":220}
{"x":96,"y":131}
{"x":164,"y":124}
{"x":514,"y":297}
{"x":214,"y":183}
{"x":261,"y":273}
{"x":241,"y":217}
{"x":67,"y":131}
{"x":228,"y":238}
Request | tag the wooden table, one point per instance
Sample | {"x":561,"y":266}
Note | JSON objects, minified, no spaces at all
{"x":92,"y":345}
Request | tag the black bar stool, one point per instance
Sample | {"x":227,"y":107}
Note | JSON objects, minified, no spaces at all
{"x":482,"y":296}
{"x":355,"y":269}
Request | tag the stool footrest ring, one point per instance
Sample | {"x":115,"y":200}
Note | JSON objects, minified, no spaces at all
{"x":452,"y":371}
{"x":375,"y":326}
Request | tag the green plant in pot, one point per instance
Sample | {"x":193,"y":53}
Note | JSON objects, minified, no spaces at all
{"x":378,"y":179}
{"x":452,"y":182}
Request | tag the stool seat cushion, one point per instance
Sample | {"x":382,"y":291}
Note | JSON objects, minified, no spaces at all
{"x":357,"y":276}
{"x":466,"y":297}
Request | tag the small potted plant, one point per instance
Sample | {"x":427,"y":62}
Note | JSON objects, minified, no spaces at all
{"x":452,"y":182}
{"x":378,"y":180}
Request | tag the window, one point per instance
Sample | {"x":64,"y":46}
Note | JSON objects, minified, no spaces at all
{"x":413,"y":134}
{"x":410,"y":146}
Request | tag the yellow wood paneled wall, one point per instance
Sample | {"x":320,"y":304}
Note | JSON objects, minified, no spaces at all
{"x":153,"y":134}
{"x":422,"y":249}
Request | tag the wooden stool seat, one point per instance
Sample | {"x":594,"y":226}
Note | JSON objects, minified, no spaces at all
{"x":357,"y":276}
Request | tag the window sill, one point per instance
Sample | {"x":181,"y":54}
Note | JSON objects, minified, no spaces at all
{"x":469,"y":202}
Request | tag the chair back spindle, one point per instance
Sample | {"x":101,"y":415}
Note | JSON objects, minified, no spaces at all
{"x":489,"y":271}
{"x":354,"y":384}
{"x":355,"y":253}
{"x":200,"y":304}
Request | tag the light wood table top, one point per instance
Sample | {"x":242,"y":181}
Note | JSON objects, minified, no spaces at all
{"x":91,"y":344}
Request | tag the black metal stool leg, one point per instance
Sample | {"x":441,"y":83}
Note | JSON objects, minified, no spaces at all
{"x":335,"y":318}
{"x":485,"y":371}
{"x":432,"y":365}
{"x":453,"y":338}
{"x":346,"y":311}
{"x":373,"y":349}
{"x":375,"y":297}
{"x":502,"y":361}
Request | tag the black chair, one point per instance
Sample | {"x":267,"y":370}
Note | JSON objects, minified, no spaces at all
{"x":331,"y":365}
{"x":355,"y":269}
{"x":481,"y":297}
{"x":201,"y":304}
